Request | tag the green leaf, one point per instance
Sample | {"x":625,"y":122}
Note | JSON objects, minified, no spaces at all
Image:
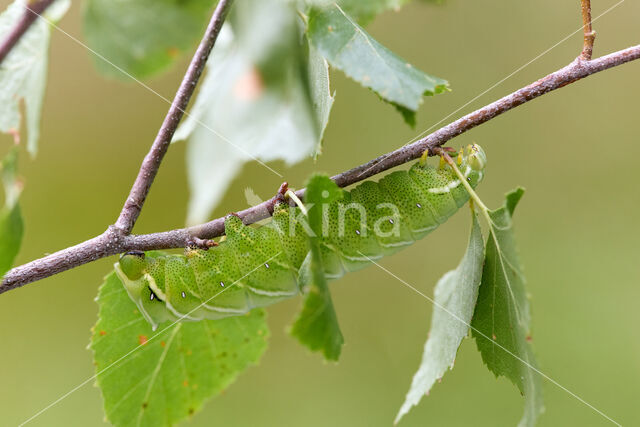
{"x":317,"y":324}
{"x":365,"y":11}
{"x":320,"y":190}
{"x":143,"y":37}
{"x":265,"y":97}
{"x":11,"y":226}
{"x":455,"y":299}
{"x":158,"y":379}
{"x":23,"y":72}
{"x":349,"y":48}
{"x":501,"y":319}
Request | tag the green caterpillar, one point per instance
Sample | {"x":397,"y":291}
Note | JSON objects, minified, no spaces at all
{"x":258,"y":266}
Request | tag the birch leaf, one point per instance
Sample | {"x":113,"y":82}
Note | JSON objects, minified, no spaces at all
{"x":317,"y":324}
{"x":23,"y":73}
{"x":159,"y":378}
{"x":11,"y":225}
{"x":265,"y":97}
{"x":502,"y":316}
{"x":348,"y":47}
{"x":455,"y":299}
{"x":143,"y":37}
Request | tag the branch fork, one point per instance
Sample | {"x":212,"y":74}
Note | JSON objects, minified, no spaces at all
{"x":117,"y":238}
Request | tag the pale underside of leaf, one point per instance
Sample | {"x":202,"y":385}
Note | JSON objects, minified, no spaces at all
{"x":23,"y":72}
{"x":253,"y":105}
{"x":455,"y":299}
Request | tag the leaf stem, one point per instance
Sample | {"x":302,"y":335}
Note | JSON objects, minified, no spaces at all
{"x":474,"y":196}
{"x":589,"y":34}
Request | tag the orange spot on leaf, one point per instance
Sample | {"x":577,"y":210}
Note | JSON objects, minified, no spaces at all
{"x":142,"y":339}
{"x":102,"y":333}
{"x":173,"y":52}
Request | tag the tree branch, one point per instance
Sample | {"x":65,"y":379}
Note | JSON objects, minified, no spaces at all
{"x":31,"y":13}
{"x":113,"y":241}
{"x":589,"y":34}
{"x":151,"y":163}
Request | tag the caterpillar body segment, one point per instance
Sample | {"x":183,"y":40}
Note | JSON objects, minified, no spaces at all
{"x":258,"y":266}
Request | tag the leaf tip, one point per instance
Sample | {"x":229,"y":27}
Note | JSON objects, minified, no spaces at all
{"x":512,"y":199}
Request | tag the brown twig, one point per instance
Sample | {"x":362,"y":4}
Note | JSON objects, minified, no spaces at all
{"x":151,"y":163}
{"x":31,"y":13}
{"x":589,"y":34}
{"x":112,"y":241}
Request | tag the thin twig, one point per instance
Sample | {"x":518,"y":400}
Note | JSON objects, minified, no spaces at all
{"x":113,"y":242}
{"x":151,"y":163}
{"x":31,"y":13}
{"x":589,"y":34}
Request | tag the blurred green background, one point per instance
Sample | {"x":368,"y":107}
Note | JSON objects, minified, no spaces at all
{"x":575,"y":150}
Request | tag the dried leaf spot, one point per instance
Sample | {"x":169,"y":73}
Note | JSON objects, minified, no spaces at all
{"x":142,"y":339}
{"x":494,"y":337}
{"x":249,"y":86}
{"x":15,"y":133}
{"x":144,"y":405}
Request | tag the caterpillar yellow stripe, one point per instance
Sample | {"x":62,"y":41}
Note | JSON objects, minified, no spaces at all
{"x":258,"y":266}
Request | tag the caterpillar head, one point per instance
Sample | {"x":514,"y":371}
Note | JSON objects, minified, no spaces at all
{"x":132,"y":264}
{"x":476,"y":157}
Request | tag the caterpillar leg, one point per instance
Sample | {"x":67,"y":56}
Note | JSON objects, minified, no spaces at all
{"x":198,"y":243}
{"x":424,"y":157}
